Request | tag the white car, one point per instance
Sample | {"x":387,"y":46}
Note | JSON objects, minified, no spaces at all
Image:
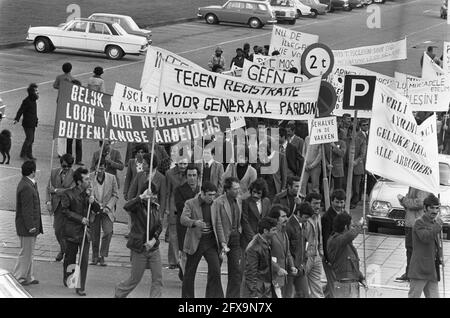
{"x":10,"y":287}
{"x":303,"y":9}
{"x":125,"y":21}
{"x":386,"y":211}
{"x":88,"y":35}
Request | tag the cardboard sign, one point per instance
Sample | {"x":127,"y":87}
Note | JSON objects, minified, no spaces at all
{"x":278,"y":62}
{"x":446,"y":58}
{"x":187,"y":89}
{"x":399,"y":149}
{"x":430,"y":69}
{"x":371,"y":54}
{"x":323,"y":130}
{"x":429,"y":95}
{"x":263,"y":74}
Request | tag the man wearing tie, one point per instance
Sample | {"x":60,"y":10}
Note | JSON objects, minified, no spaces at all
{"x":212,"y":170}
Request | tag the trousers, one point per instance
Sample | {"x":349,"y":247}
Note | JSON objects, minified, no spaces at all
{"x":314,"y":283}
{"x":329,"y":273}
{"x":297,"y":287}
{"x":78,"y":148}
{"x":315,"y":180}
{"x":23,"y":270}
{"x":58,"y":226}
{"x":101,"y":222}
{"x":139,"y":262}
{"x":27,"y":147}
{"x":408,"y":246}
{"x":234,"y":267}
{"x":429,"y":288}
{"x":346,"y":290}
{"x":70,"y":258}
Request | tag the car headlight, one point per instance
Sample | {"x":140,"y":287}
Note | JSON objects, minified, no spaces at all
{"x":380,"y":208}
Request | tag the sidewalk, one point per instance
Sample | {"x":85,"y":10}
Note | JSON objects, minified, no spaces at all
{"x":385,"y":258}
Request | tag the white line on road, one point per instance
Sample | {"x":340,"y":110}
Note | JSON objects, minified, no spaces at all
{"x":15,"y":168}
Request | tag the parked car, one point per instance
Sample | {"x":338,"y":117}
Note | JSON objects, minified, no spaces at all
{"x":386,"y":211}
{"x":284,"y":10}
{"x":337,"y":4}
{"x":355,"y":4}
{"x":254,"y":13}
{"x":315,"y":5}
{"x":444,"y":9}
{"x":10,"y":287}
{"x":303,"y":9}
{"x":126,"y":22}
{"x":88,"y":35}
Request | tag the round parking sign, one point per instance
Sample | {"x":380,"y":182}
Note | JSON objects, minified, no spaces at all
{"x":317,"y":60}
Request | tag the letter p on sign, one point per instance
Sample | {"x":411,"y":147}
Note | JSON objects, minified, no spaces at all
{"x":358,"y":92}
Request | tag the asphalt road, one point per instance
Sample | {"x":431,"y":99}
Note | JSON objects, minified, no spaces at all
{"x":417,"y":20}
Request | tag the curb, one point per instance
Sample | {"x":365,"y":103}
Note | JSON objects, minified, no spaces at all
{"x":144,"y":26}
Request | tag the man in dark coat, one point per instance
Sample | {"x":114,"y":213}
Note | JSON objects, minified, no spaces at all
{"x":29,"y":122}
{"x":288,"y":197}
{"x":112,"y":157}
{"x":75,"y":203}
{"x":427,"y":254}
{"x":28,"y":223}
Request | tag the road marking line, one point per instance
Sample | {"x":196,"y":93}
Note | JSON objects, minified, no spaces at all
{"x":5,"y":167}
{"x":10,"y":177}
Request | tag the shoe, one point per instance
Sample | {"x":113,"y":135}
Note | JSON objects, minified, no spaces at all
{"x":95,"y":261}
{"x":403,"y":278}
{"x":79,"y":163}
{"x":102,"y":261}
{"x":180,"y":273}
{"x":24,"y":283}
{"x":59,"y":257}
{"x":80,"y":292}
{"x":173,"y":266}
{"x":34,"y":282}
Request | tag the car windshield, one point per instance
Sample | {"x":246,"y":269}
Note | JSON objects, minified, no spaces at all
{"x":444,"y":174}
{"x":119,"y":29}
{"x":132,"y":24}
{"x":280,"y":3}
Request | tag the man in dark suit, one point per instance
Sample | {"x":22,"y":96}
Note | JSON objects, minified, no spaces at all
{"x":288,"y":197}
{"x":201,"y":240}
{"x":184,"y":192}
{"x":254,"y":208}
{"x":358,"y":167}
{"x":112,"y":157}
{"x":29,"y":122}
{"x":60,"y":180}
{"x":212,"y":170}
{"x":28,"y":223}
{"x":228,"y":209}
{"x":294,"y":151}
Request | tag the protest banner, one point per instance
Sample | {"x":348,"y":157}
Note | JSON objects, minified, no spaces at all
{"x":429,"y":95}
{"x":266,"y":75}
{"x":235,"y":71}
{"x":236,"y":122}
{"x":291,"y":44}
{"x":82,"y":113}
{"x":130,"y":101}
{"x":323,"y":130}
{"x":446,"y":58}
{"x":430,"y":69}
{"x":278,"y":62}
{"x":402,"y":80}
{"x":187,"y":89}
{"x":371,"y":54}
{"x":399,"y":149}
{"x":151,"y":73}
{"x":336,"y":78}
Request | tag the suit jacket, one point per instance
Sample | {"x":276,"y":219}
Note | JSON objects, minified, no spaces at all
{"x":131,"y":174}
{"x":297,"y":241}
{"x":426,"y":249}
{"x":140,"y":183}
{"x":313,"y":234}
{"x":337,"y":158}
{"x":360,"y":153}
{"x":28,"y":109}
{"x":182,"y":194}
{"x":193,"y":211}
{"x":216,"y":176}
{"x":56,"y":182}
{"x":222,"y":210}
{"x":110,"y":194}
{"x":174,"y":178}
{"x":251,"y":217}
{"x":111,"y":167}
{"x":248,"y":178}
{"x":282,"y":198}
{"x":294,"y":160}
{"x":281,"y":250}
{"x":327,"y":229}
{"x":28,"y":208}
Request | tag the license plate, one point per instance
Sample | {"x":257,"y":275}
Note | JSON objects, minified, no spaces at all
{"x":400,"y":223}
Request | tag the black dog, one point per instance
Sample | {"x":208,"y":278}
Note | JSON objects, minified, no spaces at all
{"x":5,"y":145}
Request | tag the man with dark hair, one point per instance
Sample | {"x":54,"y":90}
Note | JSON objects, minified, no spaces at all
{"x":144,"y":253}
{"x":212,"y":170}
{"x":337,"y":207}
{"x":246,"y":49}
{"x":106,"y":194}
{"x":113,"y":159}
{"x":60,"y":180}
{"x":28,"y":223}
{"x":238,"y":60}
{"x":182,"y":193}
{"x":75,"y":203}
{"x":28,"y":109}
{"x":281,"y":254}
{"x":430,"y":53}
{"x":227,"y":208}
{"x":358,"y":167}
{"x":314,"y":251}
{"x":313,"y":163}
{"x":288,"y":197}
{"x":294,"y":150}
{"x":254,"y":208}
{"x":344,"y":258}
{"x":424,"y":271}
{"x":297,"y":285}
{"x":201,"y":240}
{"x":258,"y":262}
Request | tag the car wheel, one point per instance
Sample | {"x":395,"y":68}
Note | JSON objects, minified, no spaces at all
{"x":299,"y":13}
{"x":114,"y":52}
{"x":42,"y":45}
{"x":255,"y":23}
{"x":314,"y":13}
{"x":211,"y":18}
{"x":372,"y":227}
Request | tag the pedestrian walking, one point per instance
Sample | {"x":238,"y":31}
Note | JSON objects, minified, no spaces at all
{"x":106,"y":194}
{"x":28,"y":223}
{"x":424,"y":269}
{"x":28,"y":109}
{"x":201,"y":241}
{"x":60,"y":180}
{"x":143,"y":253}
{"x":96,"y":81}
{"x":228,"y":209}
{"x":258,"y":262}
{"x":112,"y":158}
{"x":212,"y":170}
{"x":75,"y":203}
{"x":344,"y":257}
{"x":242,"y":171}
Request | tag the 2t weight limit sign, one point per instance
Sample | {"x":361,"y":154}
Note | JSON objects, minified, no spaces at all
{"x":317,"y":60}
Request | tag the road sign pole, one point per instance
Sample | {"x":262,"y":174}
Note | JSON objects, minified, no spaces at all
{"x":351,"y":157}
{"x":326,"y":189}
